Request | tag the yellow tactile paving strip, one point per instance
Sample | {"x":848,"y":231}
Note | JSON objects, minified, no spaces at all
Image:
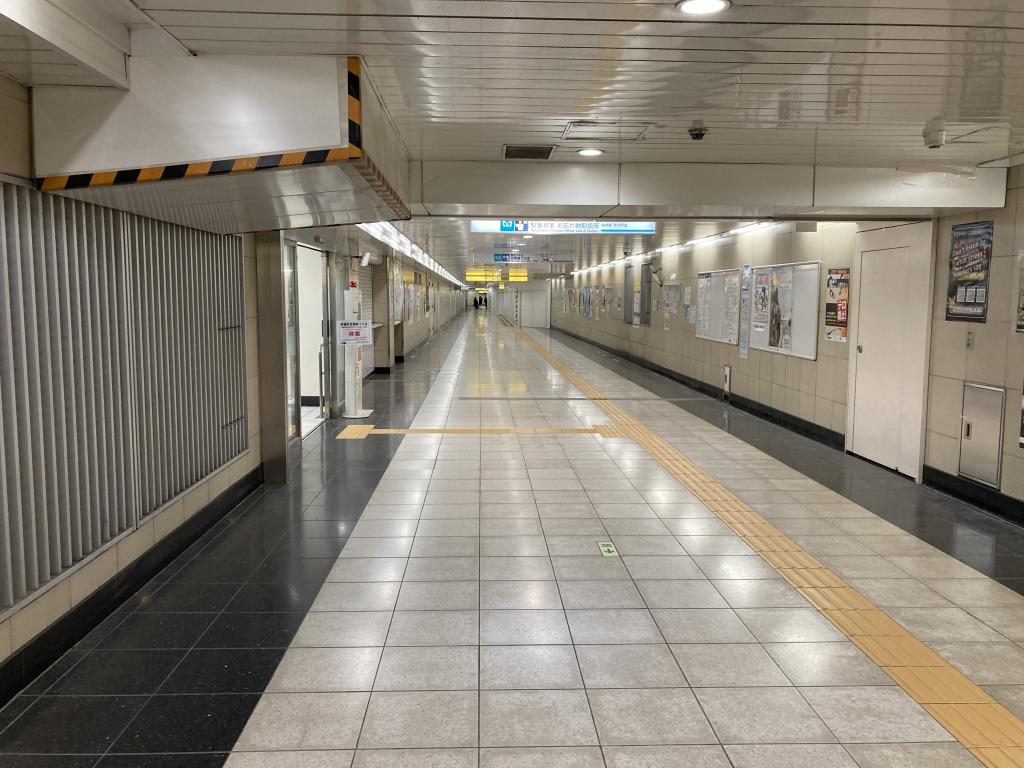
{"x":362,"y":431}
{"x":993,"y":734}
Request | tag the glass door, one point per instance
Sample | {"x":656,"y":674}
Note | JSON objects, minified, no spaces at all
{"x":291,"y":313}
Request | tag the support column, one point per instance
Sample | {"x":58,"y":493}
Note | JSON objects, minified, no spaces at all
{"x":384,"y":336}
{"x":273,"y":349}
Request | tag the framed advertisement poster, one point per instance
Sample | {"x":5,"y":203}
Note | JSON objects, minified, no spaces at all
{"x":970,"y":255}
{"x":837,"y":304}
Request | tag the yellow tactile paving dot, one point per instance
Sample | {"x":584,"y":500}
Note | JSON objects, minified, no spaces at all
{"x":811,"y":577}
{"x":355,"y":432}
{"x":938,"y":685}
{"x":1000,"y":757}
{"x":791,"y":560}
{"x":872,"y":622}
{"x":836,"y":598}
{"x":993,"y":734}
{"x":899,"y":652}
{"x":979,"y":725}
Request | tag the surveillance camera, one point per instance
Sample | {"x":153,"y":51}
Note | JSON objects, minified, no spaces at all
{"x":626,"y":252}
{"x":698,"y":130}
{"x":934,"y":133}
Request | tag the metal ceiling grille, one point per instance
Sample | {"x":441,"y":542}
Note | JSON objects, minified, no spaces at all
{"x":121,"y":375}
{"x":527,"y":151}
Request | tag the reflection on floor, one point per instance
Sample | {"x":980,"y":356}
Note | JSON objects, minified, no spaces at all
{"x":443,"y":600}
{"x":983,"y":541}
{"x":311,"y":419}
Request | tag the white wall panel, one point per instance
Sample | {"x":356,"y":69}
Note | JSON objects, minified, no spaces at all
{"x":184,"y":109}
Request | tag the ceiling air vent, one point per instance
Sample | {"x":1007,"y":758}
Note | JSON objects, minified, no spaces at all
{"x":527,"y":151}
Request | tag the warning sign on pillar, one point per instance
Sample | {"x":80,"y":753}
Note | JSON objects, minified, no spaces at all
{"x":354,"y":332}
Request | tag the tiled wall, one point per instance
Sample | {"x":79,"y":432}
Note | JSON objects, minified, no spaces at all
{"x":813,"y":390}
{"x":997,"y":357}
{"x":15,"y":156}
{"x":65,"y":592}
{"x":447,"y":302}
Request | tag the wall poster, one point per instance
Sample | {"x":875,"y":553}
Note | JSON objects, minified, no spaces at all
{"x":1020,"y":292}
{"x":397,"y":290}
{"x":970,"y":254}
{"x":780,"y":321}
{"x":837,"y":304}
{"x":745,"y":311}
{"x":761,"y":302}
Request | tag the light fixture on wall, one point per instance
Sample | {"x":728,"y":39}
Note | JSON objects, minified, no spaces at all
{"x":702,"y":7}
{"x":590,"y":152}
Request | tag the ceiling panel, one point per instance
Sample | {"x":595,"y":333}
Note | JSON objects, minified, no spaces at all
{"x":785,"y":81}
{"x":30,"y":60}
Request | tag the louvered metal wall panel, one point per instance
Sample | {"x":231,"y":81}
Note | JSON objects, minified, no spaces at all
{"x":365,"y":281}
{"x":122,"y":378}
{"x":189,"y":324}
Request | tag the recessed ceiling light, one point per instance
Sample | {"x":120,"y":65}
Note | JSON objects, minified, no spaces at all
{"x":590,"y":152}
{"x":703,"y":7}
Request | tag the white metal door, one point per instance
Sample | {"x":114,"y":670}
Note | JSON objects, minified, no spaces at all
{"x":533,"y":307}
{"x":881,"y":350}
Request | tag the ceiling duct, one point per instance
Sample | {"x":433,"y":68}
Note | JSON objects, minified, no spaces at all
{"x":527,"y":151}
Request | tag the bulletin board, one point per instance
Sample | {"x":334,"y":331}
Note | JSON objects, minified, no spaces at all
{"x":784,"y":309}
{"x":718,"y":306}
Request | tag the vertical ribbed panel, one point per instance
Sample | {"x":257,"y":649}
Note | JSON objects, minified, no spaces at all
{"x":122,"y":377}
{"x":67,"y":471}
{"x":365,"y":282}
{"x":189,"y":326}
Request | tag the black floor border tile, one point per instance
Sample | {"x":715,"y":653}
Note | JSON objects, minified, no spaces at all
{"x":27,"y":663}
{"x":254,"y":618}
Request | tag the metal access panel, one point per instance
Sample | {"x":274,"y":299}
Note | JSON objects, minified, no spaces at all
{"x":981,"y":433}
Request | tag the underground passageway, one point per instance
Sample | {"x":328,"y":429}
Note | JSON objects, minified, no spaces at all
{"x":559,"y":560}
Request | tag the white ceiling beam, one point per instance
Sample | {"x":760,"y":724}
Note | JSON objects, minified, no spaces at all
{"x":72,"y":28}
{"x":692,"y":189}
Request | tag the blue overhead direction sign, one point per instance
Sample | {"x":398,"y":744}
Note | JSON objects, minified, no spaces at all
{"x":564,"y":227}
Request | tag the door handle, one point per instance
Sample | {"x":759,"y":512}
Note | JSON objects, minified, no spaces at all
{"x":967,"y":430}
{"x":860,"y":349}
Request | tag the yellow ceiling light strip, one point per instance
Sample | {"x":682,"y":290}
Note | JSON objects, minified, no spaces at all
{"x":992,"y":733}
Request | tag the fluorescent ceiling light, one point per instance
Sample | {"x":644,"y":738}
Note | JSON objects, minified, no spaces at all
{"x":527,"y":237}
{"x":703,"y":7}
{"x":590,"y":152}
{"x":388,"y":234}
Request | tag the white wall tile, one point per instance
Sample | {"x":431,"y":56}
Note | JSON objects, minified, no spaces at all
{"x":93,"y":575}
{"x":33,"y":618}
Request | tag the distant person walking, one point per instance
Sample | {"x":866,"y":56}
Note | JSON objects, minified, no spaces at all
{"x":476,"y":302}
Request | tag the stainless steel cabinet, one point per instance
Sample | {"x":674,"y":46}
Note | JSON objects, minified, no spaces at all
{"x":981,"y":433}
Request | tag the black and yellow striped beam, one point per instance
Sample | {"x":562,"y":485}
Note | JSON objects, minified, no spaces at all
{"x":199,"y":169}
{"x":206,"y":168}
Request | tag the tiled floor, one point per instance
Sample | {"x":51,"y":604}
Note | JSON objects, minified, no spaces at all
{"x":464,"y":615}
{"x":179,"y":668}
{"x":987,"y":543}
